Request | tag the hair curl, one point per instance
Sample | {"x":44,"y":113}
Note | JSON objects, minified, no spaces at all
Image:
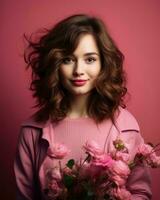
{"x":45,"y":54}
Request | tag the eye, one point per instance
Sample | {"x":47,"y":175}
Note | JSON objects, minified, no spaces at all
{"x":90,"y":60}
{"x":67,"y":60}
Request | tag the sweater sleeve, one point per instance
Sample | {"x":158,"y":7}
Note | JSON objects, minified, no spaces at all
{"x":139,"y":181}
{"x":24,"y":165}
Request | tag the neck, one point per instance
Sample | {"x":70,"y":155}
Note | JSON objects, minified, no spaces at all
{"x":78,"y":106}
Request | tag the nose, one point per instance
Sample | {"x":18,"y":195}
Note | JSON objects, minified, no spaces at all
{"x":78,"y":69}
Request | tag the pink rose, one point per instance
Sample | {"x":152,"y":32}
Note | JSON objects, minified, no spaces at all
{"x":149,"y":155}
{"x":120,"y":181}
{"x":67,"y":170}
{"x":122,"y":156}
{"x":123,"y":194}
{"x":89,"y":170}
{"x":54,"y":173}
{"x":145,"y":149}
{"x":103,"y":160}
{"x":85,"y":170}
{"x":92,"y":148}
{"x":94,"y":171}
{"x":121,"y":168}
{"x":58,"y":151}
{"x":154,"y":160}
{"x":55,"y":189}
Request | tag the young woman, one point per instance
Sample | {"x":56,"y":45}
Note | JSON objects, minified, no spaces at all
{"x":79,"y":84}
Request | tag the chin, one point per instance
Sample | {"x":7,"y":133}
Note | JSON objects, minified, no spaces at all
{"x":81,"y":93}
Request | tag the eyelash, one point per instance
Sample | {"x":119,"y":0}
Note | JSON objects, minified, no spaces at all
{"x":69,"y":60}
{"x":92,"y":59}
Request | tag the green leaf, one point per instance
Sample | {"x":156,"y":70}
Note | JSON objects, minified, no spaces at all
{"x":70,"y":163}
{"x":68,"y":181}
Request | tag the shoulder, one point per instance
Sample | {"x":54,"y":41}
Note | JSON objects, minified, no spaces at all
{"x":128,"y":130}
{"x":32,"y":123}
{"x":126,"y":121}
{"x":33,"y":130}
{"x":30,"y":130}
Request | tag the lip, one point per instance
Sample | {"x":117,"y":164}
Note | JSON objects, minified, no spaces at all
{"x":79,"y":82}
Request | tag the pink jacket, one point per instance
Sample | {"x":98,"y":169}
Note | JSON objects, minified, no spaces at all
{"x":34,"y":140}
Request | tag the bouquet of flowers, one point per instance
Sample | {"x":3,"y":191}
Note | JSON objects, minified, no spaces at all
{"x":100,"y":176}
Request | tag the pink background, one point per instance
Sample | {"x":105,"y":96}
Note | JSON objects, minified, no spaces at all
{"x":135,"y":25}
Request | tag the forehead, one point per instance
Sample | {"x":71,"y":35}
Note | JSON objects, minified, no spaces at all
{"x":86,"y":44}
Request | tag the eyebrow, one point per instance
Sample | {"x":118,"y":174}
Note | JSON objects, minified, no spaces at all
{"x":91,"y":53}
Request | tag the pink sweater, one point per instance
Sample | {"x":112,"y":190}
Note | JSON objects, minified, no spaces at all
{"x":32,"y":161}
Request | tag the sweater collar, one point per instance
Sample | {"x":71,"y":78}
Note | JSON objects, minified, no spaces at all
{"x":125,"y":121}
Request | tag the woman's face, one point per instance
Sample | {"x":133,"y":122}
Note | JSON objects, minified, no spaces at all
{"x":79,"y":71}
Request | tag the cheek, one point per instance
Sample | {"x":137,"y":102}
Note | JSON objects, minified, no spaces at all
{"x":94,"y":72}
{"x":64,"y":73}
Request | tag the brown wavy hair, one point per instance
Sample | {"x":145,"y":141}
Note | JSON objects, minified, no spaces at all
{"x":44,"y":55}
